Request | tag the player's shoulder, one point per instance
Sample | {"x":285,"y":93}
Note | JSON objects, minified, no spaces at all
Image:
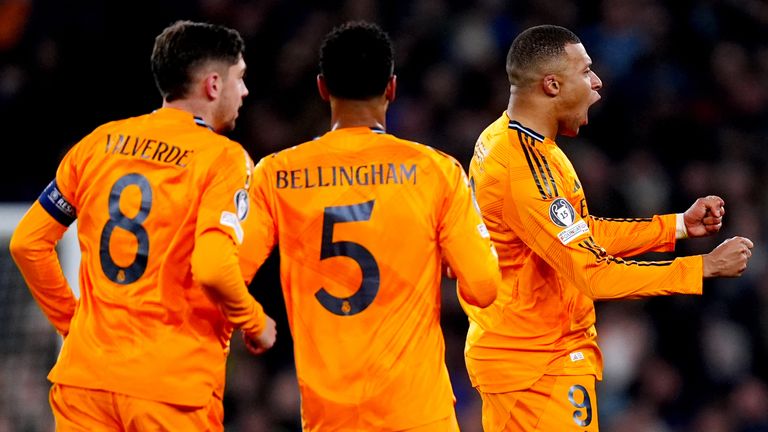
{"x":306,"y":149}
{"x":438,"y":157}
{"x":433,"y":160}
{"x":112,"y":125}
{"x":230,"y":152}
{"x":508,"y":141}
{"x":93,"y":139}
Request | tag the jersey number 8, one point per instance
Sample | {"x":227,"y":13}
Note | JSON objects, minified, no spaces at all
{"x":113,"y":271}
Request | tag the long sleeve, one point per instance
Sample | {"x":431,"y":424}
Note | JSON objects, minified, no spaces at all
{"x":215,"y":267}
{"x":571,"y":249}
{"x":634,"y":236}
{"x":466,"y":244}
{"x":33,"y":249}
{"x":260,"y":231}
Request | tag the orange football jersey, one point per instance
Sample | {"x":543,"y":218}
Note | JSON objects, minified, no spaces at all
{"x":142,"y":190}
{"x":363,"y":220}
{"x":556,"y":260}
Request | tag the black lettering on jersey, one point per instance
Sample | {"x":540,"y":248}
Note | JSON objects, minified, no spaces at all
{"x":407,"y":173}
{"x":145,"y":148}
{"x":362,"y":179}
{"x":360,"y":175}
{"x":346,"y":175}
{"x":162,"y":148}
{"x":281,"y":179}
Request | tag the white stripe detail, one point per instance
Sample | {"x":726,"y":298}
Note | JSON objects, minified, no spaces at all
{"x":524,"y":129}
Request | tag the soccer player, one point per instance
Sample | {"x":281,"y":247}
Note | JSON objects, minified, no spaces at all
{"x":533,"y":354}
{"x":363,"y":220}
{"x":160,"y":201}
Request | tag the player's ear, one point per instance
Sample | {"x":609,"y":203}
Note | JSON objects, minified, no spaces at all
{"x":391,"y":89}
{"x":213,"y":85}
{"x":322,"y":88}
{"x":550,"y":85}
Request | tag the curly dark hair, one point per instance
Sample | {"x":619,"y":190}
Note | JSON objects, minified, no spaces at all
{"x":356,"y":60}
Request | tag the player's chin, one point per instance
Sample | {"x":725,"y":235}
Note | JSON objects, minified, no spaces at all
{"x":570,"y":132}
{"x":229,"y":126}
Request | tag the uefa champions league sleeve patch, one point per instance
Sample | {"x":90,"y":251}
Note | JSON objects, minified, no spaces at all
{"x":562,"y":214}
{"x":241,"y":204}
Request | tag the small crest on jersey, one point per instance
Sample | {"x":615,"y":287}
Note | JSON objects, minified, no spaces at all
{"x":561,"y":213}
{"x":577,"y":356}
{"x":241,"y":204}
{"x":573,"y":231}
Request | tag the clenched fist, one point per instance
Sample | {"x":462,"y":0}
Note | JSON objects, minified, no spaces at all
{"x":729,"y":259}
{"x":705,"y":216}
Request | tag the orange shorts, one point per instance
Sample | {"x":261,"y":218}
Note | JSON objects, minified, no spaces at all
{"x":552,"y":404}
{"x":79,"y":409}
{"x":448,"y":424}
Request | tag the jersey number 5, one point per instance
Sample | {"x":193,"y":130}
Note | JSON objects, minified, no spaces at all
{"x":369,"y":287}
{"x":113,"y":271}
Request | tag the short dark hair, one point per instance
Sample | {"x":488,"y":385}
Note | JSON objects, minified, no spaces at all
{"x":186,"y":45}
{"x":356,"y":60}
{"x":535,"y":48}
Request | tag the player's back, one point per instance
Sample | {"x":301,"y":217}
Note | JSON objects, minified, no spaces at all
{"x":358,"y":214}
{"x":142,"y":326}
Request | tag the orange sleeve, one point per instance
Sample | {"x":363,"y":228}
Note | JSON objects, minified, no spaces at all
{"x":32,"y":248}
{"x":466,"y":244}
{"x":630,"y":237}
{"x":215,"y":267}
{"x":224,"y":206}
{"x":260,"y":231}
{"x":567,"y":244}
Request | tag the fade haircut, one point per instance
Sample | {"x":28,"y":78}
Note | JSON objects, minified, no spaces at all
{"x":183,"y":47}
{"x":534,"y":50}
{"x":356,"y":60}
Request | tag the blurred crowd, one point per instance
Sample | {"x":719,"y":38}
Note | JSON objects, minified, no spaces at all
{"x":684,"y":114}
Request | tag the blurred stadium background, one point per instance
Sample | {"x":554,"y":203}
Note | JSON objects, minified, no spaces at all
{"x":684,"y":114}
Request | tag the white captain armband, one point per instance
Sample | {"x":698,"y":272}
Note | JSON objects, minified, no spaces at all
{"x":56,"y":205}
{"x":681,"y":231}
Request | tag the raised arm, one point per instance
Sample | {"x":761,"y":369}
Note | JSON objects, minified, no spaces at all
{"x":572,"y":250}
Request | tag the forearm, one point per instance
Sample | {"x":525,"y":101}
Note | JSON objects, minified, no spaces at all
{"x":621,"y":279}
{"x":33,"y":249}
{"x":215,"y":267}
{"x":630,"y":237}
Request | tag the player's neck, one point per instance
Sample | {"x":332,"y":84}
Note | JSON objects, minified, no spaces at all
{"x":347,"y":113}
{"x":535,"y":116}
{"x":193,"y":107}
